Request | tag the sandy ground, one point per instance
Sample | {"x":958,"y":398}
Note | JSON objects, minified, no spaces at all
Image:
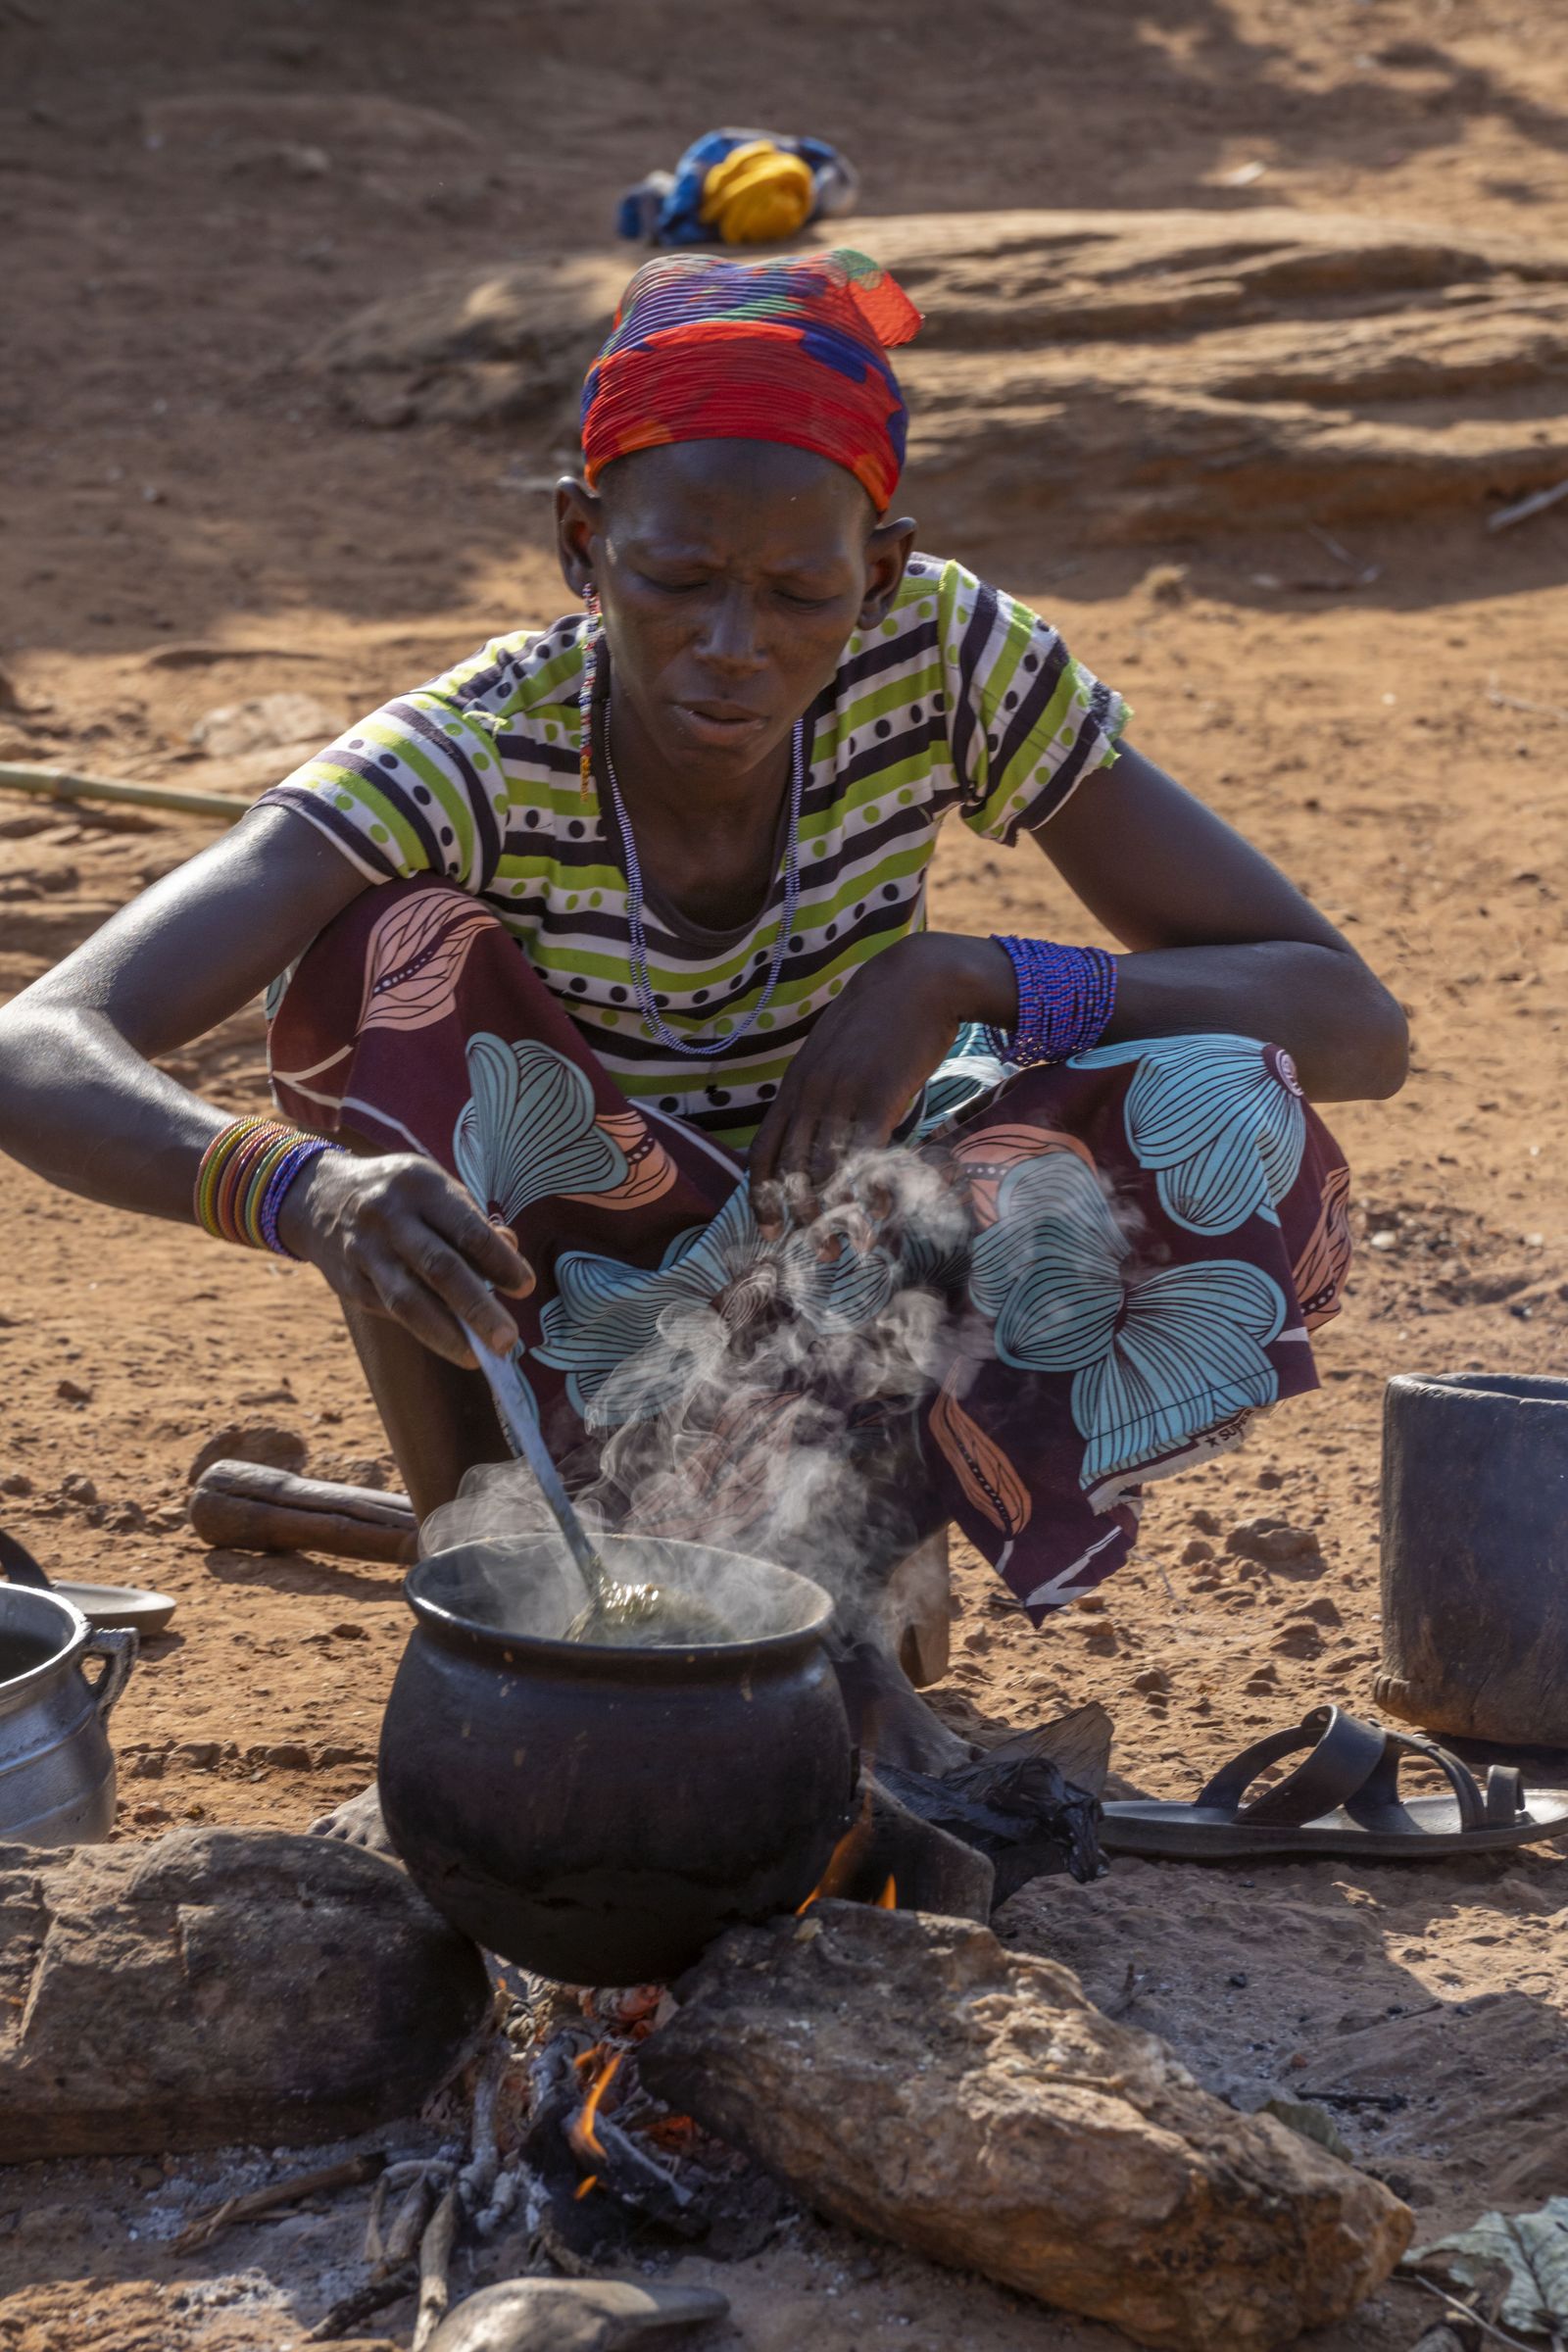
{"x":191,"y":524}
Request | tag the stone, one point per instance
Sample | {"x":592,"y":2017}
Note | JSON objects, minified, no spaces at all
{"x":263,"y":1442}
{"x":263,"y":724}
{"x":71,"y":1392}
{"x":1160,"y":374}
{"x":220,"y":1985}
{"x":573,"y":2314}
{"x":914,"y":2077}
{"x":473,"y":347}
{"x":1275,"y":1543}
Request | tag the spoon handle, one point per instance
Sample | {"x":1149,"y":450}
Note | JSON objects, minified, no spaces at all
{"x":525,"y":1437}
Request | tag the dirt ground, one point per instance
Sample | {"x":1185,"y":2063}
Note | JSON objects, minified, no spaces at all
{"x":191,"y":524}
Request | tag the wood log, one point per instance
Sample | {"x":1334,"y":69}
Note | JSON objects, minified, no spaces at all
{"x":252,"y":1506}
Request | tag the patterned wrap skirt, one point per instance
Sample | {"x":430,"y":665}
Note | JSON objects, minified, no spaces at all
{"x":1063,"y":1283}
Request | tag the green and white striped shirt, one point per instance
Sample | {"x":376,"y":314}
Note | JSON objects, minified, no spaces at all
{"x":962,"y":700}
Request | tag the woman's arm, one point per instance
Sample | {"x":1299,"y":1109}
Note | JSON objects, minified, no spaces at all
{"x":81,"y":1104}
{"x":1218,"y":938}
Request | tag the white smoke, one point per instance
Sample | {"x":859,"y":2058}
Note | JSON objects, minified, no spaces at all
{"x":776,"y":1410}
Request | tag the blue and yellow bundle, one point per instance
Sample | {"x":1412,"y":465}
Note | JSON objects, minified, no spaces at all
{"x":740,"y":187}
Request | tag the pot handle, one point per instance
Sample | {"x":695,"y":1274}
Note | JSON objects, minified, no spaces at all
{"x":117,"y":1650}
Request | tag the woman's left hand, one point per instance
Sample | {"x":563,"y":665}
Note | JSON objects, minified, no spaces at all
{"x":868,"y":1059}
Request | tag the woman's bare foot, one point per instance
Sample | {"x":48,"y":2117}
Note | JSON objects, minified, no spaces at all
{"x":357,"y":1821}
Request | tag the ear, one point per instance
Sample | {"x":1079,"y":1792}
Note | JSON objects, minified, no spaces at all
{"x":887,"y":552}
{"x":579,"y":528}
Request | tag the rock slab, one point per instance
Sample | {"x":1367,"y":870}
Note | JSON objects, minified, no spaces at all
{"x":220,"y":1985}
{"x":1142,"y":375}
{"x":912,"y":2077}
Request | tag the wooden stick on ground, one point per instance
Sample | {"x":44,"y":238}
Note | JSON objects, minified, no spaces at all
{"x":1521,"y":511}
{"x":363,"y":2304}
{"x":1471,"y":2318}
{"x":61,"y":784}
{"x":435,"y":2262}
{"x":352,"y":2173}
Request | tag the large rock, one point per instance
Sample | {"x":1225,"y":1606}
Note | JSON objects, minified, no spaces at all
{"x":1164,"y":372}
{"x":476,"y":346}
{"x":912,"y":2077}
{"x":220,"y":1985}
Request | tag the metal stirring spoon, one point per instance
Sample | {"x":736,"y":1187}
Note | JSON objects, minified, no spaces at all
{"x":615,"y":1612}
{"x":525,"y":1436}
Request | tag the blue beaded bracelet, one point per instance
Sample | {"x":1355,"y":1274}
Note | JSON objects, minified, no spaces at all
{"x":309,"y":1148}
{"x":1066,"y":997}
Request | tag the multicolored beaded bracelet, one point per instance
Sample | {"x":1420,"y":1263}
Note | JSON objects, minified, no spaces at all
{"x":246,"y":1170}
{"x":1066,"y":997}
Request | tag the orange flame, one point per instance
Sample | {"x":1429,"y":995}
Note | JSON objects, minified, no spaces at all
{"x":846,"y":1855}
{"x":583,"y":2187}
{"x":888,"y":1899}
{"x":581,"y":2132}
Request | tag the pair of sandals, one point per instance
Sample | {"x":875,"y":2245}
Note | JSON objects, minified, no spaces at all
{"x":1343,"y":1798}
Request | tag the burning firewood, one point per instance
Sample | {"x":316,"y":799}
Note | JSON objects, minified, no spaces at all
{"x":609,"y":2164}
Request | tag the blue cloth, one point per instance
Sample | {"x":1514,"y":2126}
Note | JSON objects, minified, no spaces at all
{"x":665,"y":207}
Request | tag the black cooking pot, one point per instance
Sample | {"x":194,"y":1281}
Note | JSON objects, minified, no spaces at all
{"x":600,"y":1814}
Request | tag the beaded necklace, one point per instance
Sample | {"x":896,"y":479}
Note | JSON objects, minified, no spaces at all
{"x":635,"y":894}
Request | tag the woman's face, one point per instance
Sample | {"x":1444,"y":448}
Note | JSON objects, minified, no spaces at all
{"x":731,"y":574}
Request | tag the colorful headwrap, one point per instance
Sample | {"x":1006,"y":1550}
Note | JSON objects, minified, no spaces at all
{"x":709,"y":349}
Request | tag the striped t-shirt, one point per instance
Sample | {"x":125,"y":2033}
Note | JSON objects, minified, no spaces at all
{"x":960,"y":699}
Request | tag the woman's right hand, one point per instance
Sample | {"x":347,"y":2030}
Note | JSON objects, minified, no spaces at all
{"x":398,"y":1235}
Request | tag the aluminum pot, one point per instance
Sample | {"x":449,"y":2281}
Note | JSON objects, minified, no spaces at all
{"x":599,"y":1815}
{"x":56,"y":1769}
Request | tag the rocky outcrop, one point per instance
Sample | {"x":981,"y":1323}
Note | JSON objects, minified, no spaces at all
{"x":911,"y":2077}
{"x":220,"y":1985}
{"x":1164,"y":372}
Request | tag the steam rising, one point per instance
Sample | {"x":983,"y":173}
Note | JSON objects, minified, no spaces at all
{"x":773,"y":1412}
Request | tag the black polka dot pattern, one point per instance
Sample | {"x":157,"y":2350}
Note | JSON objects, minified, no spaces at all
{"x":481,"y":768}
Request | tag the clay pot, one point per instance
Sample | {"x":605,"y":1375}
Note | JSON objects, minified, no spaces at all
{"x":599,"y":1815}
{"x":1475,"y":1555}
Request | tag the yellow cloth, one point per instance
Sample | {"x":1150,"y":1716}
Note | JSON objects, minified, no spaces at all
{"x":757,"y":195}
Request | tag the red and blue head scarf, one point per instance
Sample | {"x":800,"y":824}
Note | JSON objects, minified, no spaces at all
{"x":704,"y":348}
